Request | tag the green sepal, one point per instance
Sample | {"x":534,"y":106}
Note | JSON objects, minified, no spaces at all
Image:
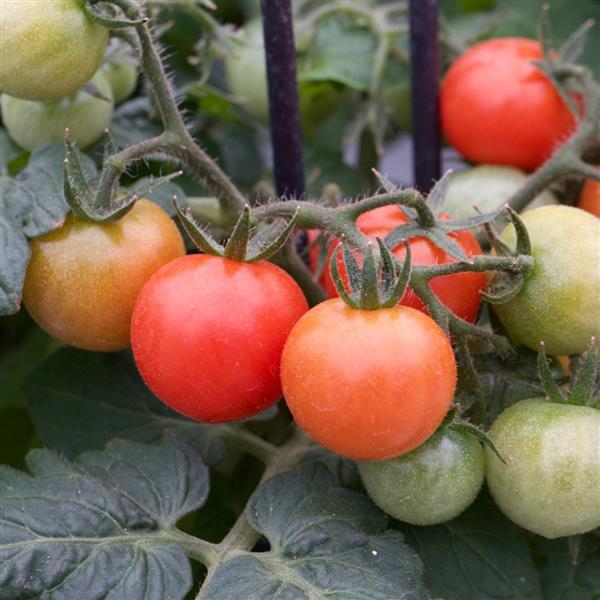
{"x":584,"y":381}
{"x":523,"y":245}
{"x":111,"y":21}
{"x":257,"y":252}
{"x":91,"y":89}
{"x":152,"y":183}
{"x":398,"y":283}
{"x":495,"y":241}
{"x":469,"y":222}
{"x":203,"y":240}
{"x":571,"y":49}
{"x":506,"y":287}
{"x":482,"y":436}
{"x":352,"y":270}
{"x":390,"y":187}
{"x":403,"y":232}
{"x":109,"y":146}
{"x":236,"y":247}
{"x":369,"y":292}
{"x":337,"y":279}
{"x":437,"y":195}
{"x":552,"y":390}
{"x":446,"y":243}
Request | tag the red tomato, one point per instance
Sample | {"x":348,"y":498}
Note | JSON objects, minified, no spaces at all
{"x":207,"y":335}
{"x":499,"y":108}
{"x":369,"y":385}
{"x":589,"y":199}
{"x":459,"y":292}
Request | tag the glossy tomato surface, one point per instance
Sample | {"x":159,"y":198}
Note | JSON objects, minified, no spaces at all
{"x":207,"y":335}
{"x":460,"y":292}
{"x":49,"y":48}
{"x":433,"y":483}
{"x":499,"y":108}
{"x":560,"y":301}
{"x":369,"y":385}
{"x":84,"y":278}
{"x":551,"y":484}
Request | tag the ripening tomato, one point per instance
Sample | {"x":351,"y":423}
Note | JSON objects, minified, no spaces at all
{"x":368,"y":384}
{"x":49,"y":48}
{"x":551,"y":482}
{"x":589,"y":199}
{"x":497,"y":107}
{"x":83,"y":279}
{"x":460,"y":292}
{"x":207,"y":335}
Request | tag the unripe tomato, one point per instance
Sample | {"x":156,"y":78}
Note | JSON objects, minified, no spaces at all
{"x":122,"y":78}
{"x":49,"y":49}
{"x":369,"y":385}
{"x":207,"y":335}
{"x":560,"y":301}
{"x":499,"y":108}
{"x":83,"y":279}
{"x":551,"y":484}
{"x":589,"y":199}
{"x":32,"y":124}
{"x":431,"y":484}
{"x":459,"y":292}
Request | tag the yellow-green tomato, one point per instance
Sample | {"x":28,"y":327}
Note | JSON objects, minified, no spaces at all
{"x":122,"y":77}
{"x":431,"y":484}
{"x":551,"y":484}
{"x":560,"y":301}
{"x":84,"y":278}
{"x":48,"y":48}
{"x":32,"y":124}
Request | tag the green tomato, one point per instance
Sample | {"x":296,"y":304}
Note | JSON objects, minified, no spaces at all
{"x":560,"y":301}
{"x":32,"y":124}
{"x":487,"y":187}
{"x":246,"y":74}
{"x":122,"y":78}
{"x":431,"y":484}
{"x":49,"y":49}
{"x":551,"y":484}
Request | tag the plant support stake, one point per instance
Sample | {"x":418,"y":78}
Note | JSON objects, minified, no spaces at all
{"x":284,"y":106}
{"x":424,"y":53}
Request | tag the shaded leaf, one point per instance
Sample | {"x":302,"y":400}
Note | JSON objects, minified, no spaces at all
{"x":325,"y":540}
{"x":97,"y":528}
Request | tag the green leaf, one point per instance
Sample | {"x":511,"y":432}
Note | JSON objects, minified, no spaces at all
{"x":325,"y":541}
{"x":9,"y":151}
{"x":99,"y":524}
{"x":79,"y":400}
{"x":480,"y":555}
{"x":562,"y":577}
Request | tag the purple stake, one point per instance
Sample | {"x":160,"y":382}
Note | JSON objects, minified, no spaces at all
{"x":425,"y":71}
{"x":284,"y":107}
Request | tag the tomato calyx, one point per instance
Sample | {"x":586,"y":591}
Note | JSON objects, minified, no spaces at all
{"x":243,"y":245}
{"x":108,"y":16}
{"x":82,"y":197}
{"x":507,"y":285}
{"x":378,"y":284}
{"x":583,"y":382}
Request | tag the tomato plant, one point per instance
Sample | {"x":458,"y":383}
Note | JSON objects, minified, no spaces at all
{"x":431,"y":484}
{"x":207,"y":335}
{"x":32,"y":124}
{"x":459,"y":292}
{"x":476,"y":95}
{"x":380,"y":406}
{"x":49,"y":49}
{"x":83,"y":278}
{"x":553,"y":466}
{"x":560,"y":301}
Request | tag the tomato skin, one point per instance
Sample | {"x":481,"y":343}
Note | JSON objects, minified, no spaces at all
{"x":560,"y":301}
{"x":32,"y":124}
{"x":431,"y":484}
{"x":460,"y":292}
{"x":207,"y":335}
{"x":551,"y":484}
{"x":49,"y":49}
{"x":589,"y":199}
{"x":498,"y":108}
{"x":122,"y":78}
{"x":83,"y":279}
{"x":369,"y":385}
